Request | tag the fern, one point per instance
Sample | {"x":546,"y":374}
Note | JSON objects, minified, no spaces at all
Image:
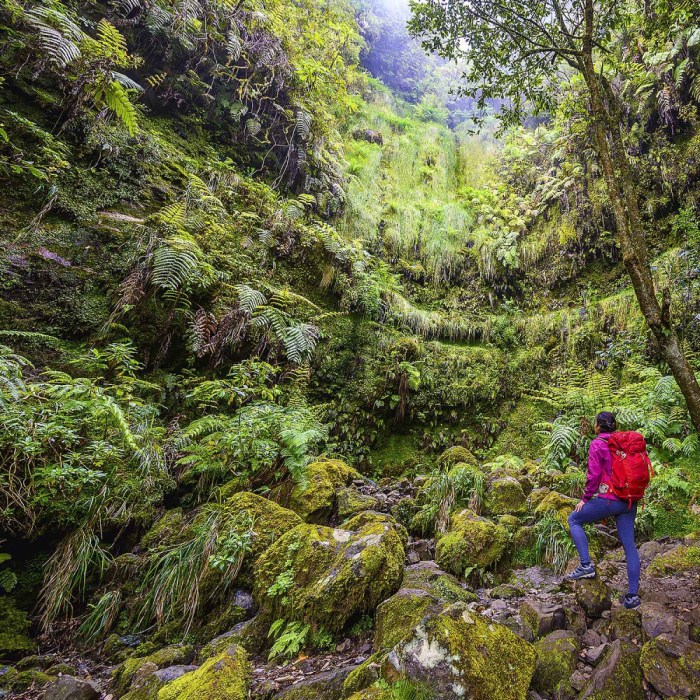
{"x":249,"y":299}
{"x":117,"y":99}
{"x":290,"y":637}
{"x":303,"y":124}
{"x":234,"y":46}
{"x":58,"y":35}
{"x":175,"y":261}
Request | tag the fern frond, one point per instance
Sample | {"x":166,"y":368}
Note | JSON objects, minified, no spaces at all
{"x":118,"y":101}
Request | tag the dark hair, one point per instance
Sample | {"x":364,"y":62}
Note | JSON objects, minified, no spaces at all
{"x":606,"y":421}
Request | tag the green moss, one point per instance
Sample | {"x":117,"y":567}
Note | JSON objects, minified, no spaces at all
{"x":14,"y":630}
{"x":439,"y":584}
{"x":554,"y":502}
{"x":681,"y":558}
{"x":458,"y":455}
{"x":350,"y":502}
{"x":472,"y":541}
{"x":556,"y":661}
{"x":672,"y":666}
{"x":359,"y":522}
{"x":398,"y":615}
{"x":167,"y":529}
{"x":461,"y":652}
{"x":26,"y":679}
{"x":251,"y":635}
{"x":366,"y":674}
{"x":7,"y":673}
{"x":324,"y":576}
{"x":618,"y":676}
{"x":168,"y":656}
{"x":315,"y":500}
{"x":505,"y":496}
{"x":223,"y":677}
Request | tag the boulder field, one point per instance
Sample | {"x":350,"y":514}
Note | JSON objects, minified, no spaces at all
{"x":340,"y":581}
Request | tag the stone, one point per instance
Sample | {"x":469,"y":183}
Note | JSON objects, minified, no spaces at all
{"x":175,"y":654}
{"x":471,"y":541}
{"x":322,"y":686}
{"x":556,"y":662}
{"x":223,"y":677}
{"x":543,"y":617}
{"x":537,"y":496}
{"x":459,"y":653}
{"x":519,"y":627}
{"x":366,"y":674}
{"x":507,"y":591}
{"x":554,"y":502}
{"x":350,"y":502}
{"x":167,"y":529}
{"x":323,"y":576}
{"x":680,"y":558}
{"x":593,"y":596}
{"x":251,"y":635}
{"x":594,"y":655}
{"x":575,"y":617}
{"x":15,"y":641}
{"x":649,"y":550}
{"x":656,"y":620}
{"x":577,"y":681}
{"x":372,"y":517}
{"x":505,"y":496}
{"x":69,"y":688}
{"x":315,"y":499}
{"x":591,"y":638}
{"x":428,"y":576}
{"x":397,"y":616}
{"x":625,"y":624}
{"x":618,"y":676}
{"x":672,"y":665}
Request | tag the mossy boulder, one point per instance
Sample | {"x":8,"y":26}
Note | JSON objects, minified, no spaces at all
{"x":510,"y":522}
{"x":459,"y":653}
{"x":593,"y":596}
{"x":472,"y":541}
{"x":555,"y":502}
{"x":251,"y":635}
{"x":315,"y":500}
{"x":149,"y":681}
{"x":505,"y":496}
{"x":33,"y":678}
{"x":350,"y":502}
{"x":167,"y":656}
{"x":167,"y":529}
{"x":223,"y":677}
{"x":537,"y":496}
{"x":556,"y":661}
{"x":681,"y":558}
{"x":14,"y":631}
{"x":70,"y":688}
{"x":372,"y":694}
{"x":372,"y":517}
{"x":618,"y":676}
{"x":324,"y":576}
{"x":429,"y":577}
{"x":458,"y":455}
{"x":507,"y":591}
{"x":397,"y":616}
{"x":327,"y":685}
{"x":625,"y":624}
{"x":366,"y":674}
{"x":542,"y":616}
{"x":7,"y":673}
{"x":672,"y":665}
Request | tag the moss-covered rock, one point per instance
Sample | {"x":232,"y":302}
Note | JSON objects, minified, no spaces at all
{"x":168,"y":656}
{"x":33,"y":678}
{"x":537,"y":496}
{"x":672,"y":665}
{"x":542,"y":616}
{"x":223,"y":677}
{"x":505,"y":496}
{"x":507,"y":591}
{"x":472,"y":541}
{"x":7,"y":673}
{"x":372,"y":517}
{"x":315,"y":500}
{"x":554,"y":502}
{"x":556,"y":661}
{"x":625,"y":624}
{"x":372,"y":694}
{"x":251,"y":635}
{"x":327,"y":685}
{"x":350,"y":502}
{"x":510,"y":522}
{"x":14,"y":630}
{"x":459,"y":653}
{"x":324,"y":576}
{"x":618,"y":676}
{"x":593,"y":596}
{"x":366,"y":674}
{"x":681,"y":558}
{"x":397,"y":616}
{"x":458,"y":455}
{"x":167,"y":529}
{"x":429,"y":577}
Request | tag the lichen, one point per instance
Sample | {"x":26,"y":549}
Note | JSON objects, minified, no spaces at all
{"x":397,"y":616}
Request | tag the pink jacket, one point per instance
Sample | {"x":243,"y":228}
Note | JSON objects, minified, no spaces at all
{"x":599,"y":463}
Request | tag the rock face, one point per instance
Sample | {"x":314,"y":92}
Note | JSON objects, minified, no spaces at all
{"x":315,"y":500}
{"x":472,"y":541}
{"x":672,"y":665}
{"x":223,"y":677}
{"x":618,"y":677}
{"x":69,"y":688}
{"x":556,"y":662}
{"x":505,"y":496}
{"x":323,"y":576}
{"x":459,"y":653}
{"x":593,"y":596}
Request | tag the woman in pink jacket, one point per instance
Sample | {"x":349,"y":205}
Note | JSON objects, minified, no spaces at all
{"x":598,"y":503}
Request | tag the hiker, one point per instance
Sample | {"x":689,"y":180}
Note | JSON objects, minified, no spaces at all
{"x":600,"y":502}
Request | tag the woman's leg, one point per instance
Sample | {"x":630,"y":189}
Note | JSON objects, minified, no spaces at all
{"x":596,"y":509}
{"x":625,"y":529}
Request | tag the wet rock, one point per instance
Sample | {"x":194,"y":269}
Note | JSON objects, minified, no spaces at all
{"x":657,"y":619}
{"x":459,"y":653}
{"x":223,"y":677}
{"x":69,"y":688}
{"x":556,"y":662}
{"x":593,"y":596}
{"x":251,"y":635}
{"x":618,"y":676}
{"x":471,"y":541}
{"x":322,"y":686}
{"x":672,"y":665}
{"x":519,"y":627}
{"x":543,"y":617}
{"x":330,"y":575}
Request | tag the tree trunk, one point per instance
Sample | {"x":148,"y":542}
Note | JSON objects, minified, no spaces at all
{"x":623,"y":196}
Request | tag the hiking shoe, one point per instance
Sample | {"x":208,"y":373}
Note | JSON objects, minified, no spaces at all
{"x":582,"y":571}
{"x":631,"y":602}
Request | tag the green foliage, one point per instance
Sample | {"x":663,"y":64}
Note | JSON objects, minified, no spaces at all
{"x":554,"y":544}
{"x":289,"y":638}
{"x":102,"y":616}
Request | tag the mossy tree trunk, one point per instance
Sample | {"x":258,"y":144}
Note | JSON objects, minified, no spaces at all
{"x":606,"y":116}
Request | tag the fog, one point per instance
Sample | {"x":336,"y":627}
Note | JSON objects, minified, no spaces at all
{"x":394,"y":7}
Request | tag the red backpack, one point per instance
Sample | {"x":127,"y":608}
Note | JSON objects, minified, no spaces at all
{"x":631,"y":466}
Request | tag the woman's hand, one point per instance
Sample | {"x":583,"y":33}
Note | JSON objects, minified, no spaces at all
{"x":579,"y":505}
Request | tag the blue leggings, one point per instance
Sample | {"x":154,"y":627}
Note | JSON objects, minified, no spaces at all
{"x":597,"y":509}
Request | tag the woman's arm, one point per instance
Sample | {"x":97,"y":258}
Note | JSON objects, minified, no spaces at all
{"x":595,"y":470}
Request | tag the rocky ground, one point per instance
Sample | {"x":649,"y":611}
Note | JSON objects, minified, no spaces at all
{"x":529,"y":636}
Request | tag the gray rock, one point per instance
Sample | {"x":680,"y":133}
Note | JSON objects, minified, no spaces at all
{"x":591,"y":639}
{"x":594,"y":655}
{"x":657,"y":620}
{"x":543,"y":617}
{"x":672,"y":666}
{"x":323,"y":686}
{"x":618,"y":676}
{"x":69,"y":688}
{"x":593,"y":596}
{"x":165,"y":675}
